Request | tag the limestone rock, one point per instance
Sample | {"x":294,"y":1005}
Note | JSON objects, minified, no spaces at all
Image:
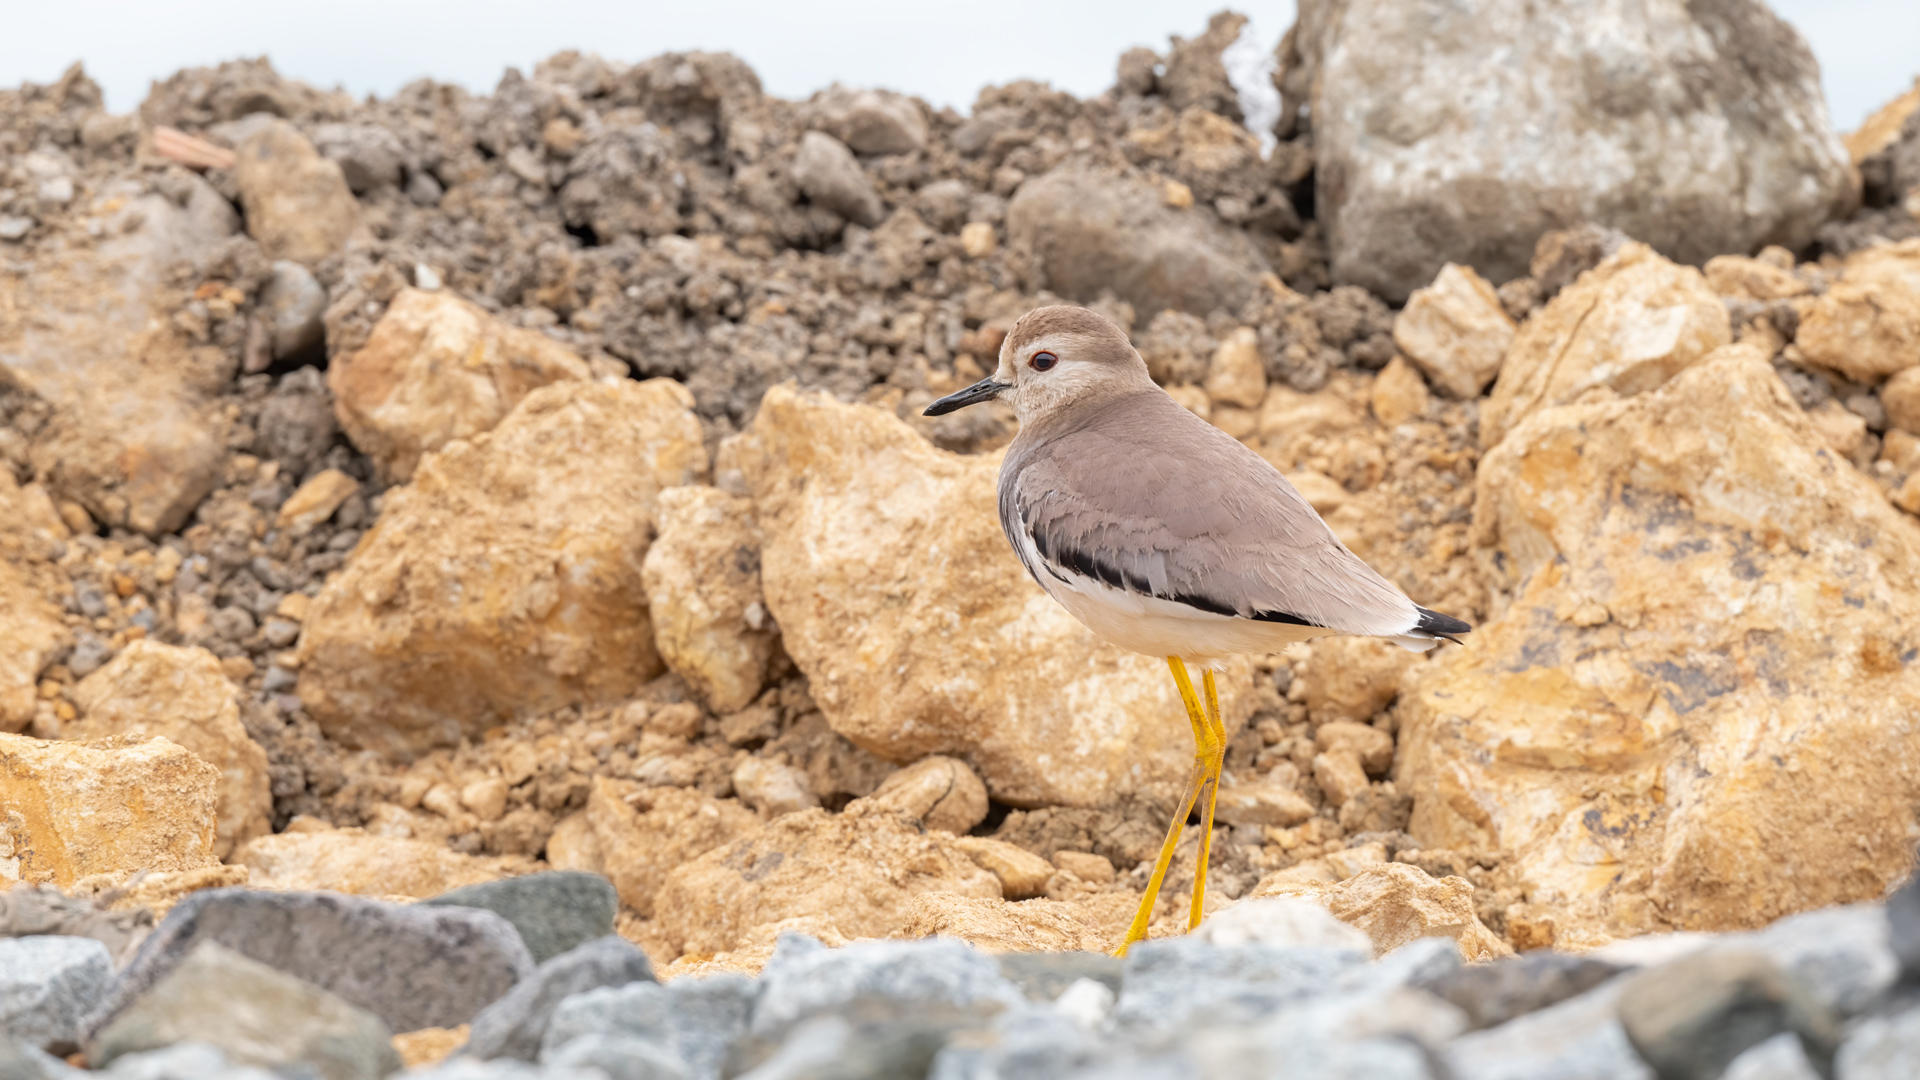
{"x":293,"y":303}
{"x":350,"y":861}
{"x":869,"y":121}
{"x":1399,"y":394}
{"x":1369,"y":745}
{"x":1629,"y":325}
{"x":30,"y":635}
{"x":438,"y":368}
{"x":1260,"y":802}
{"x":861,"y":870}
{"x":772,"y":788}
{"x":826,"y":171}
{"x":1351,"y":678}
{"x":298,"y":204}
{"x":1753,"y":279}
{"x":919,"y":631}
{"x":1900,"y":396}
{"x":1002,"y":926}
{"x":153,"y":689}
{"x":1867,"y":326}
{"x":1097,"y":228}
{"x":1237,"y":375}
{"x":314,"y":501}
{"x":1395,"y":903}
{"x":1456,"y":331}
{"x":702,"y":576}
{"x":935,"y":792}
{"x":1708,"y":651}
{"x":72,"y":810}
{"x":1023,"y":875}
{"x":644,"y":834}
{"x":506,"y":578}
{"x":1722,"y":143}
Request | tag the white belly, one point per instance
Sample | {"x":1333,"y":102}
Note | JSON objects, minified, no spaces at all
{"x":1145,"y":624}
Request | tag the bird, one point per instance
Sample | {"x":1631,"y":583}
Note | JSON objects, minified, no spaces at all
{"x":1166,"y":536}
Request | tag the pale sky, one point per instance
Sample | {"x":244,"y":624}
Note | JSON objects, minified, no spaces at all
{"x":1869,"y":49}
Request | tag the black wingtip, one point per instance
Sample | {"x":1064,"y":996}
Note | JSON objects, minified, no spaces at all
{"x":1441,"y":626}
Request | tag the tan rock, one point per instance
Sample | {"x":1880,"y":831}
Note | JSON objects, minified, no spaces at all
{"x":30,"y":634}
{"x":863,"y":869}
{"x":313,"y":502}
{"x":1399,"y":393}
{"x":573,"y":845}
{"x":702,"y":576}
{"x":1839,"y":428}
{"x":1456,"y":331}
{"x":1022,"y":874}
{"x":486,"y":798}
{"x":1085,"y":865}
{"x":1237,"y":375}
{"x":1352,"y":678}
{"x":1372,"y":746}
{"x":644,"y":833}
{"x":1001,"y":926}
{"x":1752,"y":682}
{"x":350,"y":861}
{"x":1321,"y":491}
{"x":771,"y":787}
{"x":1867,"y":325}
{"x":1395,"y":903}
{"x":919,"y":631}
{"x":429,"y":1046}
{"x":152,"y":689}
{"x":936,"y":792}
{"x":1259,"y":802}
{"x":1193,"y":399}
{"x":436,"y":369}
{"x":1352,"y":861}
{"x":298,"y":204}
{"x":505,"y":579}
{"x":1901,"y":449}
{"x":1900,"y":396}
{"x":1339,"y":774}
{"x":1628,"y":325}
{"x":1285,"y":412}
{"x":1907,"y":496}
{"x":73,"y":810}
{"x":978,"y":239}
{"x":1752,"y":279}
{"x":1882,"y":129}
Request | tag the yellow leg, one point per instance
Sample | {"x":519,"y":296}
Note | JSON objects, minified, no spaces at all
{"x":1210,"y":793}
{"x":1208,"y":751}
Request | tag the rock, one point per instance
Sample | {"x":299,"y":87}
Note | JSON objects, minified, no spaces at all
{"x":514,"y":1025}
{"x":293,"y":302}
{"x":912,"y":661}
{"x":1561,"y":256}
{"x":1022,"y":874}
{"x":298,"y":204}
{"x":350,"y":861}
{"x":645,"y":834}
{"x":859,"y":869}
{"x":152,"y":690}
{"x":1396,"y":903}
{"x":1867,"y":325}
{"x":17,"y":1060}
{"x":936,"y":792}
{"x":1456,"y":331}
{"x":370,"y":156}
{"x":869,"y":121}
{"x":438,"y":368}
{"x":1903,"y":926}
{"x":1399,"y":394}
{"x":1839,"y":430}
{"x":253,"y":1014}
{"x":1900,"y":395}
{"x":112,"y":807}
{"x":1881,"y":1048}
{"x":1577,"y":1039}
{"x":43,"y":910}
{"x":1170,"y":982}
{"x":1095,"y":228}
{"x":1492,"y":994}
{"x":805,"y":978}
{"x":1689,"y":1019}
{"x":695,"y":1021}
{"x":1340,"y":776}
{"x":1279,"y":920}
{"x":1352,"y":678}
{"x":1044,"y":976}
{"x":1085,"y":865}
{"x":1261,"y":802}
{"x":1237,"y":375}
{"x":826,"y":171}
{"x":47,"y":987}
{"x":412,"y":966}
{"x":978,"y":239}
{"x":1631,"y":324}
{"x":554,"y":912}
{"x":621,"y":1056}
{"x":772,"y":788}
{"x":1675,"y":542}
{"x":314,"y":501}
{"x":1753,"y":279}
{"x":505,"y":579}
{"x":30,"y":636}
{"x":702,"y":576}
{"x":1369,"y":745}
{"x":1006,"y":927}
{"x":1411,"y":176}
{"x":1842,"y":956}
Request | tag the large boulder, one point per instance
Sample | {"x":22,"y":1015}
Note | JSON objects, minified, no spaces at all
{"x":1096,"y":228}
{"x":1697,"y":710}
{"x":505,"y":580}
{"x":920,"y":633}
{"x":1460,"y":132}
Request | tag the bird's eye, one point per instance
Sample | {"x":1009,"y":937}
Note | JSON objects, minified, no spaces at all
{"x":1043,"y":361}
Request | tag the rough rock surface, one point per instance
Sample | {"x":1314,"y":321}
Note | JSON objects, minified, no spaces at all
{"x":115,"y":807}
{"x":29,"y":636}
{"x":897,"y":595}
{"x":1724,"y":118}
{"x":936,"y":792}
{"x":1397,"y":903}
{"x":1714,"y":619}
{"x":298,"y":204}
{"x":644,"y":834}
{"x":151,"y":690}
{"x":1867,"y":326}
{"x":506,"y":578}
{"x":48,"y":984}
{"x":438,"y":368}
{"x":554,"y":912}
{"x":1455,"y":331}
{"x":350,"y":861}
{"x":702,"y":576}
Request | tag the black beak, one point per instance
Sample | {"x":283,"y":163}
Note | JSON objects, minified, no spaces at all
{"x":984,"y":390}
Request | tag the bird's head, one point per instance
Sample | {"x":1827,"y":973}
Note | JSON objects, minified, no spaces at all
{"x":1054,"y":356}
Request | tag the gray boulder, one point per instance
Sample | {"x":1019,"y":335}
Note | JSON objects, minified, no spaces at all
{"x":825,"y":169}
{"x":695,"y":1021}
{"x":47,"y":986}
{"x":514,"y":1025}
{"x":554,"y":912}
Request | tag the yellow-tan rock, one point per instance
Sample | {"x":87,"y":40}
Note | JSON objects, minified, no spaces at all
{"x":644,"y":833}
{"x":153,"y":689}
{"x":1369,"y":745}
{"x":1395,"y":903}
{"x":1352,"y":678}
{"x":860,"y":870}
{"x":1026,"y":926}
{"x":935,"y":792}
{"x":1900,"y":396}
{"x":1258,"y":802}
{"x":1456,"y":331}
{"x":920,"y":633}
{"x":505,"y":580}
{"x":1023,"y":875}
{"x":702,"y":576}
{"x":438,"y":368}
{"x":30,"y":634}
{"x":350,"y":861}
{"x":1237,"y":375}
{"x":1399,"y":393}
{"x":1628,"y":325}
{"x":1708,"y":658}
{"x":298,"y":204}
{"x":1752,"y":279}
{"x":314,"y":501}
{"x":74,"y":810}
{"x":1867,"y":325}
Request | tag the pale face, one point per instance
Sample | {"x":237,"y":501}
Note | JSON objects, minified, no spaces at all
{"x":1041,"y":372}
